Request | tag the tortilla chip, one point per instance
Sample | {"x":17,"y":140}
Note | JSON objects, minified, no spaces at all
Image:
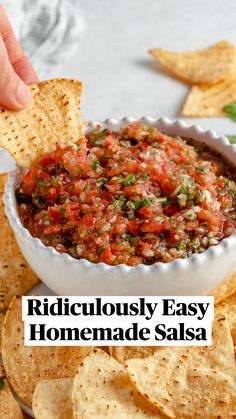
{"x":102,"y":389}
{"x":122,"y":353}
{"x":16,"y":277}
{"x":9,"y":408}
{"x":1,"y":325}
{"x":210,"y":100}
{"x":206,"y":66}
{"x":52,"y":117}
{"x":227,"y":288}
{"x":190,"y":382}
{"x":52,"y":399}
{"x":228,"y":307}
{"x":104,"y":348}
{"x":26,"y":365}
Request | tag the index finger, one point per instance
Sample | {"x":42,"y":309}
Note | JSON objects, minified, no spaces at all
{"x":17,"y":57}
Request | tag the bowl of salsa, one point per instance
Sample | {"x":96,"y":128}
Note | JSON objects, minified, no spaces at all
{"x":141,"y":207}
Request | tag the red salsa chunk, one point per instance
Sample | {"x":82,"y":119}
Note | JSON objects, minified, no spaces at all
{"x":129,"y":197}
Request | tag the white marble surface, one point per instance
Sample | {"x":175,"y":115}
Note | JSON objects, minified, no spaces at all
{"x":120,"y":78}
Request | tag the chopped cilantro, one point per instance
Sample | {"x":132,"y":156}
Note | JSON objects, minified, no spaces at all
{"x":200,"y":196}
{"x":53,"y":180}
{"x":231,"y":138}
{"x":129,"y":180}
{"x":140,"y":203}
{"x":134,"y":239}
{"x":202,"y":169}
{"x":102,"y":181}
{"x":195,"y":244}
{"x":100,"y":250}
{"x":100,"y":135}
{"x":190,"y":196}
{"x":117,"y":204}
{"x":78,"y":146}
{"x":131,"y":239}
{"x":122,"y":198}
{"x":167,"y":202}
{"x":130,"y":205}
{"x":230,"y":110}
{"x":95,"y":165}
{"x":180,"y":246}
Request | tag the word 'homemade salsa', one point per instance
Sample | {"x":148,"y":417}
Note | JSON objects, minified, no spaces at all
{"x":133,"y":196}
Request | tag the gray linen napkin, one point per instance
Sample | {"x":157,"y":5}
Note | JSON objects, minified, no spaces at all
{"x":48,"y":31}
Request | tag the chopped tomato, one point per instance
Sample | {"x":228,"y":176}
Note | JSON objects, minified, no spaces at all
{"x":51,"y":230}
{"x":154,"y":227}
{"x":168,"y":185}
{"x":54,"y":213}
{"x":88,"y":221}
{"x":212,"y":219}
{"x":52,"y":194}
{"x":133,"y":227}
{"x":28,"y":183}
{"x":107,"y":256}
{"x":171,"y":209}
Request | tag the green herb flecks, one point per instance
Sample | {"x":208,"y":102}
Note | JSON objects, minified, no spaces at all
{"x":104,"y":132}
{"x":99,"y":136}
{"x":130,"y":238}
{"x":102,"y":181}
{"x":140,"y":203}
{"x":53,"y":180}
{"x":117,"y":204}
{"x":100,"y":250}
{"x":202,"y":169}
{"x":95,"y":165}
{"x":129,"y":180}
{"x":231,"y":138}
{"x":230,"y":110}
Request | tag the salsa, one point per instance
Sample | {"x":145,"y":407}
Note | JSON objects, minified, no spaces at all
{"x":129,"y":197}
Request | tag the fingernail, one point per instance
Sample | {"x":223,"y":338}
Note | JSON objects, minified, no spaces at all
{"x":23,"y":94}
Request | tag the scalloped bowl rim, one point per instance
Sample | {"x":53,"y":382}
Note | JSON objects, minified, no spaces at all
{"x":211,"y":252}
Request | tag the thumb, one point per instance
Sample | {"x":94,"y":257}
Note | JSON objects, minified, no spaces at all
{"x":14,"y":93}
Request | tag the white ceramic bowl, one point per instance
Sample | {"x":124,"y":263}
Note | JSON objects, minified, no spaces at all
{"x":195,"y":275}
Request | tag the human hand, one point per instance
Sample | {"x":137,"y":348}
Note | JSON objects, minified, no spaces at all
{"x":16,"y":72}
